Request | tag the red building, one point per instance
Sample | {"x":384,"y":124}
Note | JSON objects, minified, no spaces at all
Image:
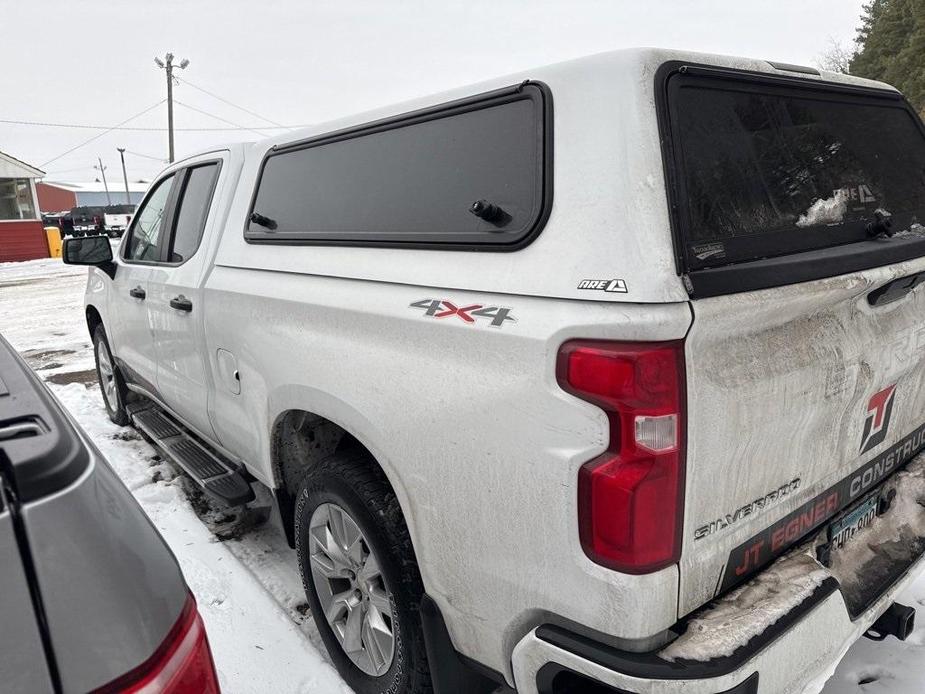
{"x":54,"y":197}
{"x":22,"y":236}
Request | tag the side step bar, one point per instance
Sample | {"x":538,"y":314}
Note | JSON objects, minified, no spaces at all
{"x":217,"y":476}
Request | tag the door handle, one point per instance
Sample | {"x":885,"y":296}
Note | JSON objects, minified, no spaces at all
{"x":181,"y":303}
{"x":895,"y":290}
{"x":137,"y":292}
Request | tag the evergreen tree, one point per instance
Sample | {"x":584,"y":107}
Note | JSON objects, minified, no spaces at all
{"x":891,"y":46}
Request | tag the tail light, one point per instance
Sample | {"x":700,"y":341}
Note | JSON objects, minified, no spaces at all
{"x":181,"y":665}
{"x":631,"y":498}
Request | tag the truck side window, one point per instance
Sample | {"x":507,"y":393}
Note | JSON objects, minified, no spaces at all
{"x":193,"y":211}
{"x":146,"y":236}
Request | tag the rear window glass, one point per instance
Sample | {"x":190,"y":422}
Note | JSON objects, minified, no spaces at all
{"x":415,"y":179}
{"x":86,"y":211}
{"x":770,"y":171}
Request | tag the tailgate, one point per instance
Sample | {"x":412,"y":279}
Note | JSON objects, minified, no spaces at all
{"x":800,"y":400}
{"x":797,"y":222}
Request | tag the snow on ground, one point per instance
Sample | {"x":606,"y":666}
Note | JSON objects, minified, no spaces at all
{"x":248,"y":589}
{"x":248,"y":586}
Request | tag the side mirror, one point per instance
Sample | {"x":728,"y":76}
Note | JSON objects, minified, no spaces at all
{"x":88,"y":250}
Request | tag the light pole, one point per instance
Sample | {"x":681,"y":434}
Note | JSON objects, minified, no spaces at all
{"x":167,"y":65}
{"x":128,"y":198}
{"x":102,"y":170}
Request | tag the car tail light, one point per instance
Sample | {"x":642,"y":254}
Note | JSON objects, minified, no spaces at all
{"x":631,"y":498}
{"x":181,"y":665}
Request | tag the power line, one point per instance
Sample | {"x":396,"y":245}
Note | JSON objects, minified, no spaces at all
{"x":99,"y":135}
{"x":212,"y":115}
{"x":146,"y":156}
{"x":82,"y":126}
{"x":230,"y":103}
{"x":64,"y":171}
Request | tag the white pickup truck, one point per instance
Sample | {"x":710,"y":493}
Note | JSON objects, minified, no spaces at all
{"x":116,"y":219}
{"x":602,"y":377}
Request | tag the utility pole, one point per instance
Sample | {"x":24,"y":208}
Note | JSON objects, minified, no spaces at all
{"x":167,"y":65}
{"x":102,"y":170}
{"x":128,"y":198}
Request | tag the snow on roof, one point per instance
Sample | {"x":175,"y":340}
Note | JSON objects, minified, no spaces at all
{"x":98,"y":187}
{"x":636,"y":66}
{"x":11,"y":167}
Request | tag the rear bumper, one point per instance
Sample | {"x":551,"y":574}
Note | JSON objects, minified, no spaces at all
{"x":803,"y":652}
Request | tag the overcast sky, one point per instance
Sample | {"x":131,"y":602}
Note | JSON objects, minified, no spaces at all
{"x":303,"y":61}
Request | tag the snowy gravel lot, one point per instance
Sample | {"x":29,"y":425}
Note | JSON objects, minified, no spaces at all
{"x":248,"y":589}
{"x":247,"y":585}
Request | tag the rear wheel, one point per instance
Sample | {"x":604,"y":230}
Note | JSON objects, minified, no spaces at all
{"x":360,"y":576}
{"x":111,"y":383}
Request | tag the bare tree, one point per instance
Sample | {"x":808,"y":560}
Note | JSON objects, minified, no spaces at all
{"x":837,"y":57}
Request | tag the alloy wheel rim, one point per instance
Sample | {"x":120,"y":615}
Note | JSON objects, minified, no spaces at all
{"x":107,"y":376}
{"x":353,"y":593}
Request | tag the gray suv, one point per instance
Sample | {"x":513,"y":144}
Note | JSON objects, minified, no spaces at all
{"x":91,"y":598}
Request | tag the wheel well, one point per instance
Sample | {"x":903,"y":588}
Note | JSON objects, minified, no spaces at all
{"x":93,"y":319}
{"x":299,"y":440}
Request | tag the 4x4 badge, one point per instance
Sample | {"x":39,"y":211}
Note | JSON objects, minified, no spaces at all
{"x":441,"y":308}
{"x":877,"y":421}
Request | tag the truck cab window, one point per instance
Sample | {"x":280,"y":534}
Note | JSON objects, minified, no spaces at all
{"x":193,"y":211}
{"x":147,"y":228}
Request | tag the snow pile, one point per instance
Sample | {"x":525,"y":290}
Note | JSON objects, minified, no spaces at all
{"x":733,"y":620}
{"x":915,"y":230}
{"x":829,"y":211}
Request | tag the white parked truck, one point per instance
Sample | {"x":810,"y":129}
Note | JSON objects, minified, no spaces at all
{"x":601,"y":377}
{"x":116,"y":219}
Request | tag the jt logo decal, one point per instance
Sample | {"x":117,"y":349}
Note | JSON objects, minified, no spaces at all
{"x":877,"y":421}
{"x":441,"y":308}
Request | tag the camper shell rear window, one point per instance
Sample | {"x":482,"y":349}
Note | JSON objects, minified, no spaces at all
{"x":474,"y":173}
{"x":762,"y":167}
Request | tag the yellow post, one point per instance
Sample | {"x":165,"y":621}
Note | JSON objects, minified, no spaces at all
{"x":54,"y":241}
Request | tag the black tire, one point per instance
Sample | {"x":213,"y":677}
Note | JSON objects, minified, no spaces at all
{"x":116,"y":409}
{"x":353,"y":481}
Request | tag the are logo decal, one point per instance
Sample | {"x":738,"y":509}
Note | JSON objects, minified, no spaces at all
{"x":495,"y":316}
{"x":618,"y":286}
{"x":862,"y":194}
{"x":877,"y":421}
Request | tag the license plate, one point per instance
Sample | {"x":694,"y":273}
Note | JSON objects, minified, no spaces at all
{"x":841,"y":531}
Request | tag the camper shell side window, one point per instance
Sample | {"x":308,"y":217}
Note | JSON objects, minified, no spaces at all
{"x":470,"y":174}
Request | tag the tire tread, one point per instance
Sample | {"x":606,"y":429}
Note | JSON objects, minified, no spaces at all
{"x":356,"y":469}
